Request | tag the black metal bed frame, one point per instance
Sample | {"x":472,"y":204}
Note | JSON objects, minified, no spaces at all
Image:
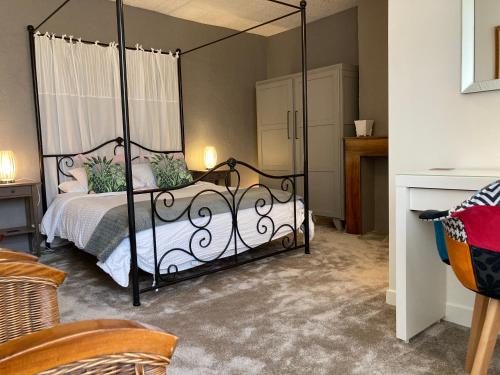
{"x":232,"y":196}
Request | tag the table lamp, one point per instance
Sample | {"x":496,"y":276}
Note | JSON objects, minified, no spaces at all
{"x":7,"y":167}
{"x":210,"y":157}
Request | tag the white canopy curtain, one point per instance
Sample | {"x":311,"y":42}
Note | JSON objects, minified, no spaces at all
{"x":79,"y":94}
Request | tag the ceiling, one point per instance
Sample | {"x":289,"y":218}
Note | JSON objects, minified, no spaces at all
{"x":242,"y":14}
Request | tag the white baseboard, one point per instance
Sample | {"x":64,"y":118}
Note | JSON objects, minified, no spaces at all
{"x":458,"y":314}
{"x":390,"y":297}
{"x":455,"y":313}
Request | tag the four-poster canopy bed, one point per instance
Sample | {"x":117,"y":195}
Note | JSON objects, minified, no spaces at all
{"x":180,"y":226}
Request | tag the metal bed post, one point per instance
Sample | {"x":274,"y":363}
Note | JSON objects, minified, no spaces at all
{"x":128,"y":159}
{"x":31,"y":35}
{"x":305,"y":124}
{"x":181,"y":97}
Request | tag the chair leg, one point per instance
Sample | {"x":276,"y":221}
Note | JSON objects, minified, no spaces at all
{"x":478,"y":316}
{"x":488,"y":339}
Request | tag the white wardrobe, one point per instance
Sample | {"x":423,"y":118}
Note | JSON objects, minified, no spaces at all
{"x":333,"y":107}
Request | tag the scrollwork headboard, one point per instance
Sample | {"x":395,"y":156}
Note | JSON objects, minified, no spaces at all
{"x":64,"y":162}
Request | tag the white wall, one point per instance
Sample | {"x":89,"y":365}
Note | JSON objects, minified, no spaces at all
{"x":430,"y":123}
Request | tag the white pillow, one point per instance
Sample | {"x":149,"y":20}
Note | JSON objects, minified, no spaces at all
{"x":138,"y":184}
{"x":72,"y":187}
{"x":80,"y":174}
{"x":144,"y":173}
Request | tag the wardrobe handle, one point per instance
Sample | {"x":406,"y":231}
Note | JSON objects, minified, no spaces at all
{"x":288,"y":124}
{"x":295,"y":124}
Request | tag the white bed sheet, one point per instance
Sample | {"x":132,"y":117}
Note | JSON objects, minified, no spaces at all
{"x":74,"y":216}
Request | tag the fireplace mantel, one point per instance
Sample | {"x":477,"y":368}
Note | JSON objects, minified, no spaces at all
{"x":355,"y":149}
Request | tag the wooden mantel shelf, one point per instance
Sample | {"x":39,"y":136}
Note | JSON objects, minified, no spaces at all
{"x":355,"y":149}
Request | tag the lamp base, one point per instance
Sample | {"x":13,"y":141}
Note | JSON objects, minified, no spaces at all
{"x":7,"y":182}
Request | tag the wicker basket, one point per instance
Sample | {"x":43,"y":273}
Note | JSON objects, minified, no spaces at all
{"x":123,"y":364}
{"x":28,"y":292}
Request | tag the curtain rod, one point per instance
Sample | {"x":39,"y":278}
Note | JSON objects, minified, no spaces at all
{"x":178,"y":50}
{"x":67,"y":1}
{"x":241,"y":32}
{"x":52,"y":14}
{"x":285,"y":4}
{"x":107,"y":45}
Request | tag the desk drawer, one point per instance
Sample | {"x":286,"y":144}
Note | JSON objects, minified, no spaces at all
{"x":15,"y":191}
{"x":437,"y":199}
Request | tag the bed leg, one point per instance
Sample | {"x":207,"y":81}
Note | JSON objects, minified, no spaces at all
{"x":136,"y":297}
{"x":134,"y":270}
{"x":307,"y":230}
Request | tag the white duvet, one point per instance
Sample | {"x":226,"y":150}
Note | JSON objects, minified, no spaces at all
{"x":74,"y":216}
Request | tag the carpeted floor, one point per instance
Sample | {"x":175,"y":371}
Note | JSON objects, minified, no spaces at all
{"x":323,"y":313}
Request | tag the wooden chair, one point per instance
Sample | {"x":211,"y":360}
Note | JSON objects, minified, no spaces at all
{"x":468,"y":239}
{"x":28,"y":294}
{"x":9,"y":255}
{"x":89,"y":347}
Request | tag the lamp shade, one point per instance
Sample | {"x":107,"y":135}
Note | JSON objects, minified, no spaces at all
{"x":7,"y":167}
{"x":210,"y":157}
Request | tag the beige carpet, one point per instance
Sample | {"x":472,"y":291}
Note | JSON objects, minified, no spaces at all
{"x":323,"y":313}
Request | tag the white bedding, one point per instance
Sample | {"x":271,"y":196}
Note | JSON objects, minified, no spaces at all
{"x":74,"y":216}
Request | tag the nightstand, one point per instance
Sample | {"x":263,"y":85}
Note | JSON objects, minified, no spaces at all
{"x":216,"y":177}
{"x":26,"y":190}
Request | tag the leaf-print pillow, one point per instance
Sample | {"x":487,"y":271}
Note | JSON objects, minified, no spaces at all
{"x":170,"y":170}
{"x":104,"y":176}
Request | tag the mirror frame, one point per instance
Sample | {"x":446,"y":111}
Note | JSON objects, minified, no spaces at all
{"x":469,"y":85}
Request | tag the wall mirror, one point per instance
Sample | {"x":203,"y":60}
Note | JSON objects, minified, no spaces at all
{"x":480,"y":45}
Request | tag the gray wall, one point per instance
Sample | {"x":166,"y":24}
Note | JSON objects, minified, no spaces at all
{"x":219,"y":82}
{"x":356,"y":36}
{"x":373,"y":104}
{"x":373,"y":71}
{"x":330,"y":40}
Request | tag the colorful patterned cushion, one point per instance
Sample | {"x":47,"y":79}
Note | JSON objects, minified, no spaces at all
{"x":482,"y":226}
{"x":170,"y":171}
{"x":472,"y":240}
{"x":460,"y":260}
{"x":487,"y":196}
{"x":104,"y":176}
{"x":486,"y":265}
{"x":441,"y":241}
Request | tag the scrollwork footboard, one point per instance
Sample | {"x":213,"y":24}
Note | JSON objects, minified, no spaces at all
{"x":224,"y":222}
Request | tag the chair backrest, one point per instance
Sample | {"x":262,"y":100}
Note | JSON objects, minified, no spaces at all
{"x":28,"y":294}
{"x":90,"y":347}
{"x":15,"y":256}
{"x":471,"y":240}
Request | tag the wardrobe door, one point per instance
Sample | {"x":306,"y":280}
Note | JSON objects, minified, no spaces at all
{"x":325,"y":140}
{"x":274,"y":127}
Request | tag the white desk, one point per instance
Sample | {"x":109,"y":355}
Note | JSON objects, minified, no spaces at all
{"x":426,"y":289}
